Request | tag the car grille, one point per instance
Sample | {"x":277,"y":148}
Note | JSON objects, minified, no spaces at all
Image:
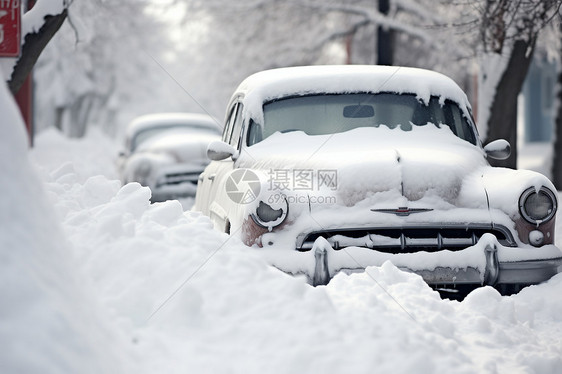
{"x":178,"y":178}
{"x":407,"y":239}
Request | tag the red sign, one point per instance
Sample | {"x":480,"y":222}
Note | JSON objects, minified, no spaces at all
{"x":10,"y":28}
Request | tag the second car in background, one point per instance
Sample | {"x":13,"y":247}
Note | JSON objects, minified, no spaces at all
{"x":167,"y":152}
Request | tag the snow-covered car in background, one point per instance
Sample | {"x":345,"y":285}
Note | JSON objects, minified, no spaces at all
{"x":331,"y":169}
{"x":167,"y":152}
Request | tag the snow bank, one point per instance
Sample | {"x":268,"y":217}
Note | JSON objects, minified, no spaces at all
{"x":194,"y":300}
{"x":48,"y":321}
{"x":86,"y":157}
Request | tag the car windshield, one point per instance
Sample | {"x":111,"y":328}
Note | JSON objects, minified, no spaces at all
{"x":151,"y":132}
{"x":329,"y":114}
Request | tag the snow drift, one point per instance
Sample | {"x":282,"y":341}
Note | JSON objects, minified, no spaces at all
{"x":49,"y":323}
{"x":192,"y":299}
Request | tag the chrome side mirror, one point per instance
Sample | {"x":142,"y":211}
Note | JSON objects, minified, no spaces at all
{"x":498,"y":149}
{"x":219,"y":150}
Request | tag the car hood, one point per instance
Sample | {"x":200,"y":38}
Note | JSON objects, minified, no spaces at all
{"x":181,"y":147}
{"x":426,"y":165}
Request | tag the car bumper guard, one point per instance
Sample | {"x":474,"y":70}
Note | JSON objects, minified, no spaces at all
{"x":492,"y":273}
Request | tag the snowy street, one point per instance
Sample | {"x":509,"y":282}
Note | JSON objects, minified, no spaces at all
{"x":172,"y":295}
{"x":415,"y":101}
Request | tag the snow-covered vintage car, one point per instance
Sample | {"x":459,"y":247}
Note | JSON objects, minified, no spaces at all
{"x":331,"y":169}
{"x":167,"y":152}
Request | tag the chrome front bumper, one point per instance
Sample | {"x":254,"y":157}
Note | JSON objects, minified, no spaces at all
{"x":488,"y":263}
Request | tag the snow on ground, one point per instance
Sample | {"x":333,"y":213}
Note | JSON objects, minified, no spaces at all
{"x":153,"y":289}
{"x":49,"y":321}
{"x":191,"y":299}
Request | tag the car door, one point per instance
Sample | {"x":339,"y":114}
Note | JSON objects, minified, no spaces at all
{"x":219,"y":203}
{"x":204,"y":196}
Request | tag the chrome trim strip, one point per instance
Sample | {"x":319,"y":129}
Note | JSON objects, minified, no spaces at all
{"x":403,"y":241}
{"x":402,"y":211}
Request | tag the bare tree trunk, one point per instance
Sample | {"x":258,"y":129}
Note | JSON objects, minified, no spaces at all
{"x":78,"y":113}
{"x":502,"y":123}
{"x":557,"y":157}
{"x":59,"y":113}
{"x":34,"y":45}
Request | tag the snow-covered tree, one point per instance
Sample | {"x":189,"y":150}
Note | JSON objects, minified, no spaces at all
{"x":98,"y":62}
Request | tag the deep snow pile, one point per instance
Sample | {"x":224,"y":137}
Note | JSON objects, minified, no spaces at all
{"x":190,"y":299}
{"x":49,"y":321}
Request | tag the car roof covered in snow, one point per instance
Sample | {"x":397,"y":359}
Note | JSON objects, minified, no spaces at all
{"x":196,"y":120}
{"x":308,"y":80}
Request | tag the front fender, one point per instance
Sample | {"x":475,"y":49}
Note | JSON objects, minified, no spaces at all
{"x":504,"y":188}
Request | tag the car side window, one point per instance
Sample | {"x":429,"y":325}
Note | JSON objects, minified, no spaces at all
{"x":237,"y":128}
{"x":255,"y":134}
{"x":229,"y":125}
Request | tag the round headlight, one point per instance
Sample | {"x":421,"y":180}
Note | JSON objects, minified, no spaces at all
{"x":537,"y":207}
{"x":269,"y":217}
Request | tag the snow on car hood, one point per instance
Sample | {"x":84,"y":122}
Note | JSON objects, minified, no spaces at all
{"x":188,"y":147}
{"x":368,"y":163}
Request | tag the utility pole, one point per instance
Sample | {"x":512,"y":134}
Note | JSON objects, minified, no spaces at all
{"x":385,"y":38}
{"x":24,"y":96}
